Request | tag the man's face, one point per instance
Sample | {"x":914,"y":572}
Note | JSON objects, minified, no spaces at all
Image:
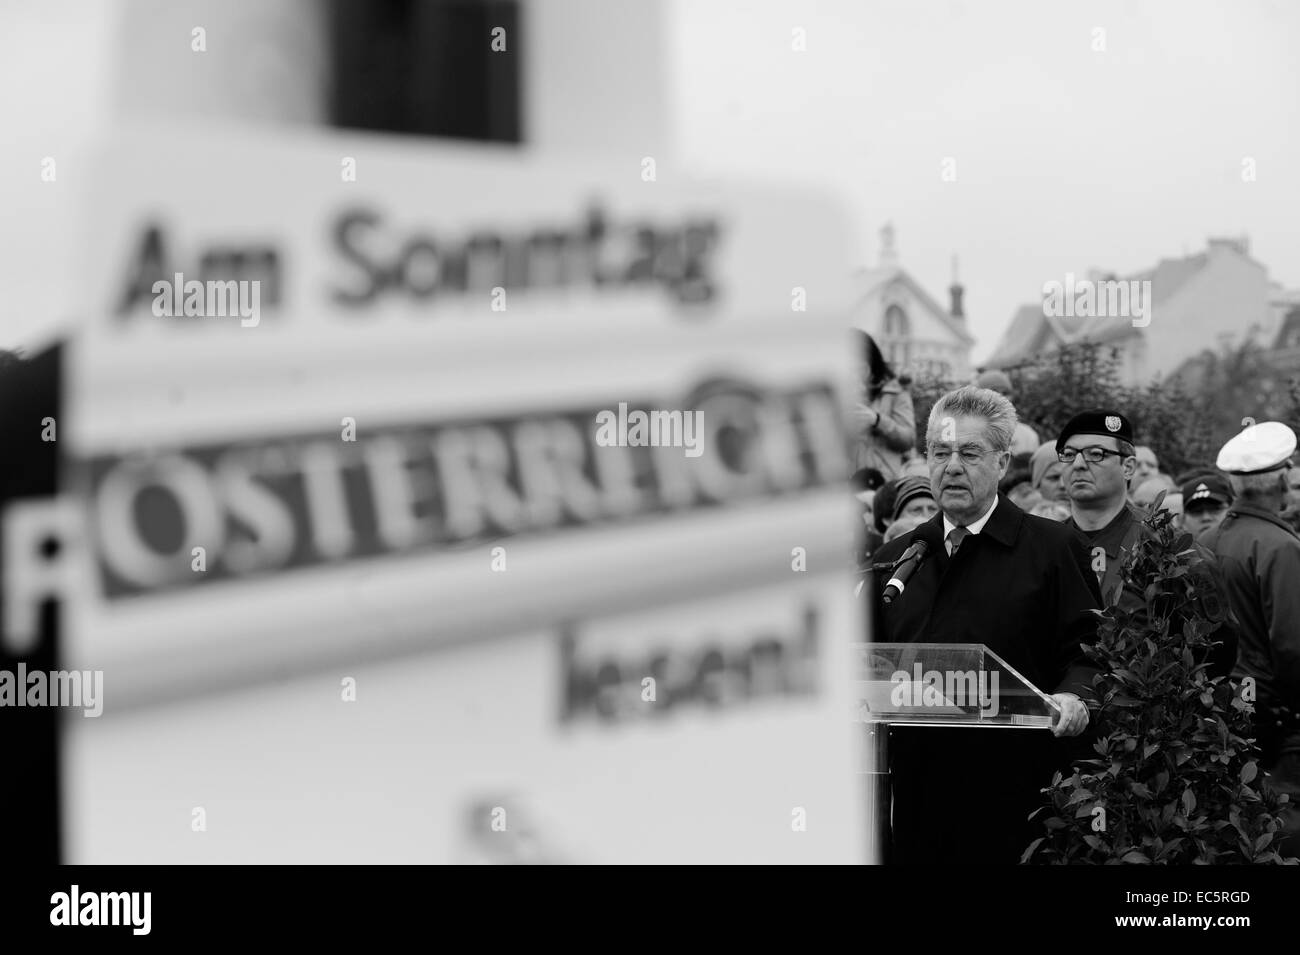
{"x":1105,"y":482}
{"x":1293,"y":488}
{"x":1203,"y":517}
{"x":964,"y":467}
{"x":1052,"y":488}
{"x":1147,"y":464}
{"x":919,"y":510}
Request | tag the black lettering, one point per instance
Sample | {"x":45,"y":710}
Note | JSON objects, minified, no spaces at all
{"x":695,"y":286}
{"x":708,"y":678}
{"x":251,"y":263}
{"x":419,"y":260}
{"x":486,"y":266}
{"x":148,"y":266}
{"x":345,"y":238}
{"x":579,"y":687}
{"x":642,"y":267}
{"x":547,"y":256}
{"x":608,"y":682}
{"x":590,"y":252}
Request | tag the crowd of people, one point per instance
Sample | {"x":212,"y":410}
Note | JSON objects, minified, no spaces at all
{"x":888,"y":462}
{"x":1043,"y":528}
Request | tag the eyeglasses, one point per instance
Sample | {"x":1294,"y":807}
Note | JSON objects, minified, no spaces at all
{"x":1093,"y":454}
{"x":970,"y":455}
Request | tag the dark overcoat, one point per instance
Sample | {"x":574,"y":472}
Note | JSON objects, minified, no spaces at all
{"x":1024,"y":587}
{"x":1260,"y":557}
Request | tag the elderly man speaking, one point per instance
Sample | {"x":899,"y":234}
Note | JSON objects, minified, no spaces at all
{"x":1021,"y":585}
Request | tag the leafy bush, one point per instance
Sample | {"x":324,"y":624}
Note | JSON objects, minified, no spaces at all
{"x":1176,"y":776}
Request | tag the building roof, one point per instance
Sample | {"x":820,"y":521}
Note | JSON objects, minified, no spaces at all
{"x":1020,"y":337}
{"x":1170,"y":275}
{"x":1288,"y":335}
{"x":1031,"y":330}
{"x":870,"y":282}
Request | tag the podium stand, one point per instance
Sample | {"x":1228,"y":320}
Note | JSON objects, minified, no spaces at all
{"x":932,"y":684}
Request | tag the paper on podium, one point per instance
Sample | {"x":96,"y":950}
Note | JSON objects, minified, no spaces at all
{"x":945,"y":684}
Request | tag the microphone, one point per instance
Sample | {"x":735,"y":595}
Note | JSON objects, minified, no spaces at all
{"x":904,"y":570}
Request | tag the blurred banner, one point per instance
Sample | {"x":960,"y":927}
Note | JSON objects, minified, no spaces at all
{"x":427,"y":503}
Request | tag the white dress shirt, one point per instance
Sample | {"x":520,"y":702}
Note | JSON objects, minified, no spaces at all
{"x":973,"y":528}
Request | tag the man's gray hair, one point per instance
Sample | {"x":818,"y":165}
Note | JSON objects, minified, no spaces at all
{"x":984,"y":402}
{"x":1266,"y":487}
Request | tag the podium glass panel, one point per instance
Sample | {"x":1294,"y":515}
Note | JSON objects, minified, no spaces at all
{"x":945,"y":684}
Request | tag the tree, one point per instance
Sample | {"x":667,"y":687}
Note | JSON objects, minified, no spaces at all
{"x":1176,"y":777}
{"x":1052,"y":388}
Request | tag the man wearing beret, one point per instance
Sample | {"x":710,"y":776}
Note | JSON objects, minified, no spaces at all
{"x":1022,"y":586}
{"x":1260,"y":557}
{"x":1096,"y":448}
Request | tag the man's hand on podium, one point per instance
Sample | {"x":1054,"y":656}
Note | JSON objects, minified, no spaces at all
{"x":1070,"y":716}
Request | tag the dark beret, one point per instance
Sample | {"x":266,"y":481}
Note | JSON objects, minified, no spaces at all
{"x":1110,"y":424}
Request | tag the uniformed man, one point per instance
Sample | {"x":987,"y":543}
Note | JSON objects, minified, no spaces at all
{"x":1260,"y":557}
{"x":1097,"y":450}
{"x":1206,"y":499}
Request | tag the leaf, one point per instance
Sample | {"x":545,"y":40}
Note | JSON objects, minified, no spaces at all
{"x":1263,"y":841}
{"x":1170,"y":847}
{"x":1189,"y":802}
{"x":1249,"y":771}
{"x":1030,"y":851}
{"x":1134,"y":857}
{"x":1150,"y":748}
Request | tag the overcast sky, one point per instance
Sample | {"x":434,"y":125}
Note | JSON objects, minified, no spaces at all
{"x":1066,"y":157}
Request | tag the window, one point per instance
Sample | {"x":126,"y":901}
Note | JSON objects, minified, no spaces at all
{"x":897,"y":346}
{"x":426,"y":68}
{"x":896,"y":325}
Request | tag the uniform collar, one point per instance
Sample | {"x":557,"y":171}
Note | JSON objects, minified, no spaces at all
{"x":1125,"y":516}
{"x":1247,"y":510}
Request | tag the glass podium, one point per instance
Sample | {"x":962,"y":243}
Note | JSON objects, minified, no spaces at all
{"x":931,"y":684}
{"x":944,"y":684}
